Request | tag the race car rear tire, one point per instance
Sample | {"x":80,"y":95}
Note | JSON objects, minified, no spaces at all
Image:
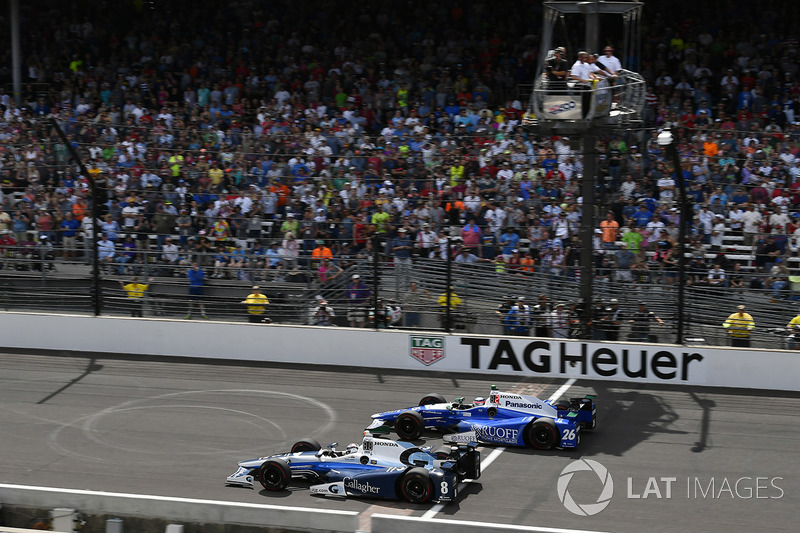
{"x":274,"y":475}
{"x":306,"y":445}
{"x":443,"y":453}
{"x":431,"y":399}
{"x":416,"y":486}
{"x":542,"y":434}
{"x":409,"y":425}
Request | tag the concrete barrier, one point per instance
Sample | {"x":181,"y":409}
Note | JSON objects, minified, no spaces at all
{"x":180,"y":509}
{"x":486,"y":355}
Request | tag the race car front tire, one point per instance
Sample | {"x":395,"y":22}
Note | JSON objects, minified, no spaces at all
{"x":542,"y":434}
{"x":306,"y":445}
{"x":431,"y":399}
{"x":416,"y":486}
{"x":274,"y":475}
{"x":409,"y":425}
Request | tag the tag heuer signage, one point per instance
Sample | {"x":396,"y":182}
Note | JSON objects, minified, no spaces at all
{"x":427,"y":350}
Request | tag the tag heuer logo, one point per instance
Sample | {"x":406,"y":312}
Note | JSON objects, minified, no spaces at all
{"x":427,"y":350}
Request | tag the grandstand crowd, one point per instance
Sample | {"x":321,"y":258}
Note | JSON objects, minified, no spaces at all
{"x":225,"y":132}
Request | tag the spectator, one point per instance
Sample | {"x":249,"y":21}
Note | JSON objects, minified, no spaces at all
{"x":509,"y":241}
{"x":426,"y":241}
{"x":128,"y":254}
{"x":610,"y":229}
{"x":401,"y":247}
{"x":136,"y":295}
{"x":8,"y":249}
{"x":736,"y":278}
{"x":322,"y":314}
{"x":414,"y":302}
{"x":471,"y":234}
{"x":518,"y":318}
{"x":559,"y":322}
{"x":449,"y":299}
{"x":290,"y":251}
{"x":44,"y":254}
{"x":716,"y":276}
{"x":778,"y":280}
{"x":502,"y":312}
{"x":611,"y":321}
{"x":793,"y":327}
{"x":557,"y":70}
{"x":196,"y":284}
{"x":739,"y":326}
{"x":465,"y":255}
{"x":69,"y":235}
{"x":328,"y":271}
{"x":170,"y":255}
{"x":320,"y":253}
{"x":256,"y":306}
{"x":640,"y":324}
{"x":357,"y":295}
{"x":105,"y":250}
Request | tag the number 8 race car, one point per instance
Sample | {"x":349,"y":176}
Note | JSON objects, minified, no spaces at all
{"x":378,"y":468}
{"x":507,"y":418}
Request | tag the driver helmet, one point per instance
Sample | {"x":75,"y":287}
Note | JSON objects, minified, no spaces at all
{"x":479,"y":401}
{"x":352,"y":447}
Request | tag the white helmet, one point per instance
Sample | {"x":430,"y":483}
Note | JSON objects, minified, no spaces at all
{"x":479,"y":401}
{"x":352,"y":447}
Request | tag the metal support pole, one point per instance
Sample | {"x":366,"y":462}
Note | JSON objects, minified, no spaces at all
{"x":16,"y":52}
{"x":95,"y":217}
{"x":668,"y":144}
{"x":686,"y":216}
{"x":376,"y":257}
{"x":447,"y":291}
{"x":586,"y":234}
{"x":592,"y":26}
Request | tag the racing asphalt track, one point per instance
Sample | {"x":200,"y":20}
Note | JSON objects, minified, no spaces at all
{"x":177,"y":428}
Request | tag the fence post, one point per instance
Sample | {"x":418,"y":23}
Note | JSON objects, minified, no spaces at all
{"x":376,"y":256}
{"x":447,"y":291}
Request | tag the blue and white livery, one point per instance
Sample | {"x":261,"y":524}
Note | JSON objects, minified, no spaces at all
{"x":377,"y":468}
{"x":505,"y":418}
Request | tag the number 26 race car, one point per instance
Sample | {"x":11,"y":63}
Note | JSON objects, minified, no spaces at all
{"x":506,"y":418}
{"x":378,"y":468}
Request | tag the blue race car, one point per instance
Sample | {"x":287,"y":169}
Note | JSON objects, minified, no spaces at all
{"x":377,"y":468}
{"x":506,"y":418}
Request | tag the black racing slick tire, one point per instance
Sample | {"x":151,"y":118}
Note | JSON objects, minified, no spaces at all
{"x":416,"y":486}
{"x":274,"y":475}
{"x":542,"y":434}
{"x":442,"y":453}
{"x":431,"y":399}
{"x":409,"y":425}
{"x":306,"y":445}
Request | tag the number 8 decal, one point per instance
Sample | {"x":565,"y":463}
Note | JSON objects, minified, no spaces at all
{"x":445,"y":487}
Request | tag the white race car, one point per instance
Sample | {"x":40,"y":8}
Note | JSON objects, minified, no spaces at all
{"x":378,"y":467}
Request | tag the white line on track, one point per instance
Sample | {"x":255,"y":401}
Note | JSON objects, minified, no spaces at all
{"x":433,"y":511}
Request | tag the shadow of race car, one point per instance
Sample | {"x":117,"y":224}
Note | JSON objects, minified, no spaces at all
{"x":377,"y":468}
{"x":506,"y":418}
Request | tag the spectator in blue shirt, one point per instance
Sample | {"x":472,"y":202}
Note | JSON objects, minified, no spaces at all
{"x":69,"y":232}
{"x":642,"y":216}
{"x":509,"y":241}
{"x":196,"y":282}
